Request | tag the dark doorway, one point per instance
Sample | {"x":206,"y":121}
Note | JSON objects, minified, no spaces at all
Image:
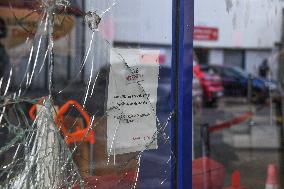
{"x":202,"y":55}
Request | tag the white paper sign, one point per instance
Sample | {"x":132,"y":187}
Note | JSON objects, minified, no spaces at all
{"x":131,"y":104}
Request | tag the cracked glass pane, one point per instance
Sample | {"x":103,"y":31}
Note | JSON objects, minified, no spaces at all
{"x":85,"y":94}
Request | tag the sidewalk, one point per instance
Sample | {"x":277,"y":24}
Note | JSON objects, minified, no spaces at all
{"x":246,"y":147}
{"x":259,"y":132}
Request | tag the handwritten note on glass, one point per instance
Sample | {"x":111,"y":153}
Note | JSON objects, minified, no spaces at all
{"x":131,"y":104}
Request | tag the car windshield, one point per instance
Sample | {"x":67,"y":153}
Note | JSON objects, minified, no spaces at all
{"x":208,"y":70}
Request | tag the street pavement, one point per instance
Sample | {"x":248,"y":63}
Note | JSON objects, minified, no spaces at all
{"x":247,"y":147}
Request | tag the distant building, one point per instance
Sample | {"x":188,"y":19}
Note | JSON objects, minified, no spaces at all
{"x":238,"y":33}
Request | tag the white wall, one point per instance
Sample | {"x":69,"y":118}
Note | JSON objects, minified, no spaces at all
{"x":216,"y":57}
{"x":143,"y":21}
{"x":254,"y":58}
{"x":241,"y":23}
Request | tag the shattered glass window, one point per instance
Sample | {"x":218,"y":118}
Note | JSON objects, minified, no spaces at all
{"x":85,"y":94}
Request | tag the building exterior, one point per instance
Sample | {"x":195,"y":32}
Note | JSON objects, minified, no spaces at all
{"x":231,"y":33}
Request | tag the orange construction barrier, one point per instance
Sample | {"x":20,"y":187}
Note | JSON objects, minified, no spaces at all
{"x":272,"y":178}
{"x":236,"y":181}
{"x":230,"y":123}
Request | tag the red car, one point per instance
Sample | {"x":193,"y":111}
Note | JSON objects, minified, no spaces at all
{"x":211,"y":84}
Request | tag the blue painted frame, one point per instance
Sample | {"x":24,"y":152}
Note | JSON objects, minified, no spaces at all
{"x":183,"y":14}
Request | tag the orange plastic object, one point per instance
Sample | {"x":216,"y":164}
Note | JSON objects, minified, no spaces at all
{"x":272,"y":177}
{"x":87,"y":134}
{"x":32,"y":111}
{"x":207,"y":173}
{"x":236,"y":181}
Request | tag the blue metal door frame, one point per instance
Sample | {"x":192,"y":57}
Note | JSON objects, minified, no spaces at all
{"x":183,"y":12}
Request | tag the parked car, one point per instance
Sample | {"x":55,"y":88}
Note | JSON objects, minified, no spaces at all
{"x":196,"y":95}
{"x":164,"y":88}
{"x":236,"y":82}
{"x":211,"y":84}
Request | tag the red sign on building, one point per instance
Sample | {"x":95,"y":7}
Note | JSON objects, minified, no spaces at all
{"x":202,"y":33}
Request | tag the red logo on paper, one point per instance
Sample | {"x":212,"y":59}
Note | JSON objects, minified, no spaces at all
{"x":149,"y":58}
{"x":202,"y":33}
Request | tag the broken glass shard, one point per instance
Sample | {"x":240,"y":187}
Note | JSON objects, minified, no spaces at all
{"x":93,"y":20}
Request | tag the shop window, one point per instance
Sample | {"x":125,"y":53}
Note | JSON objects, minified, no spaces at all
{"x":234,"y":58}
